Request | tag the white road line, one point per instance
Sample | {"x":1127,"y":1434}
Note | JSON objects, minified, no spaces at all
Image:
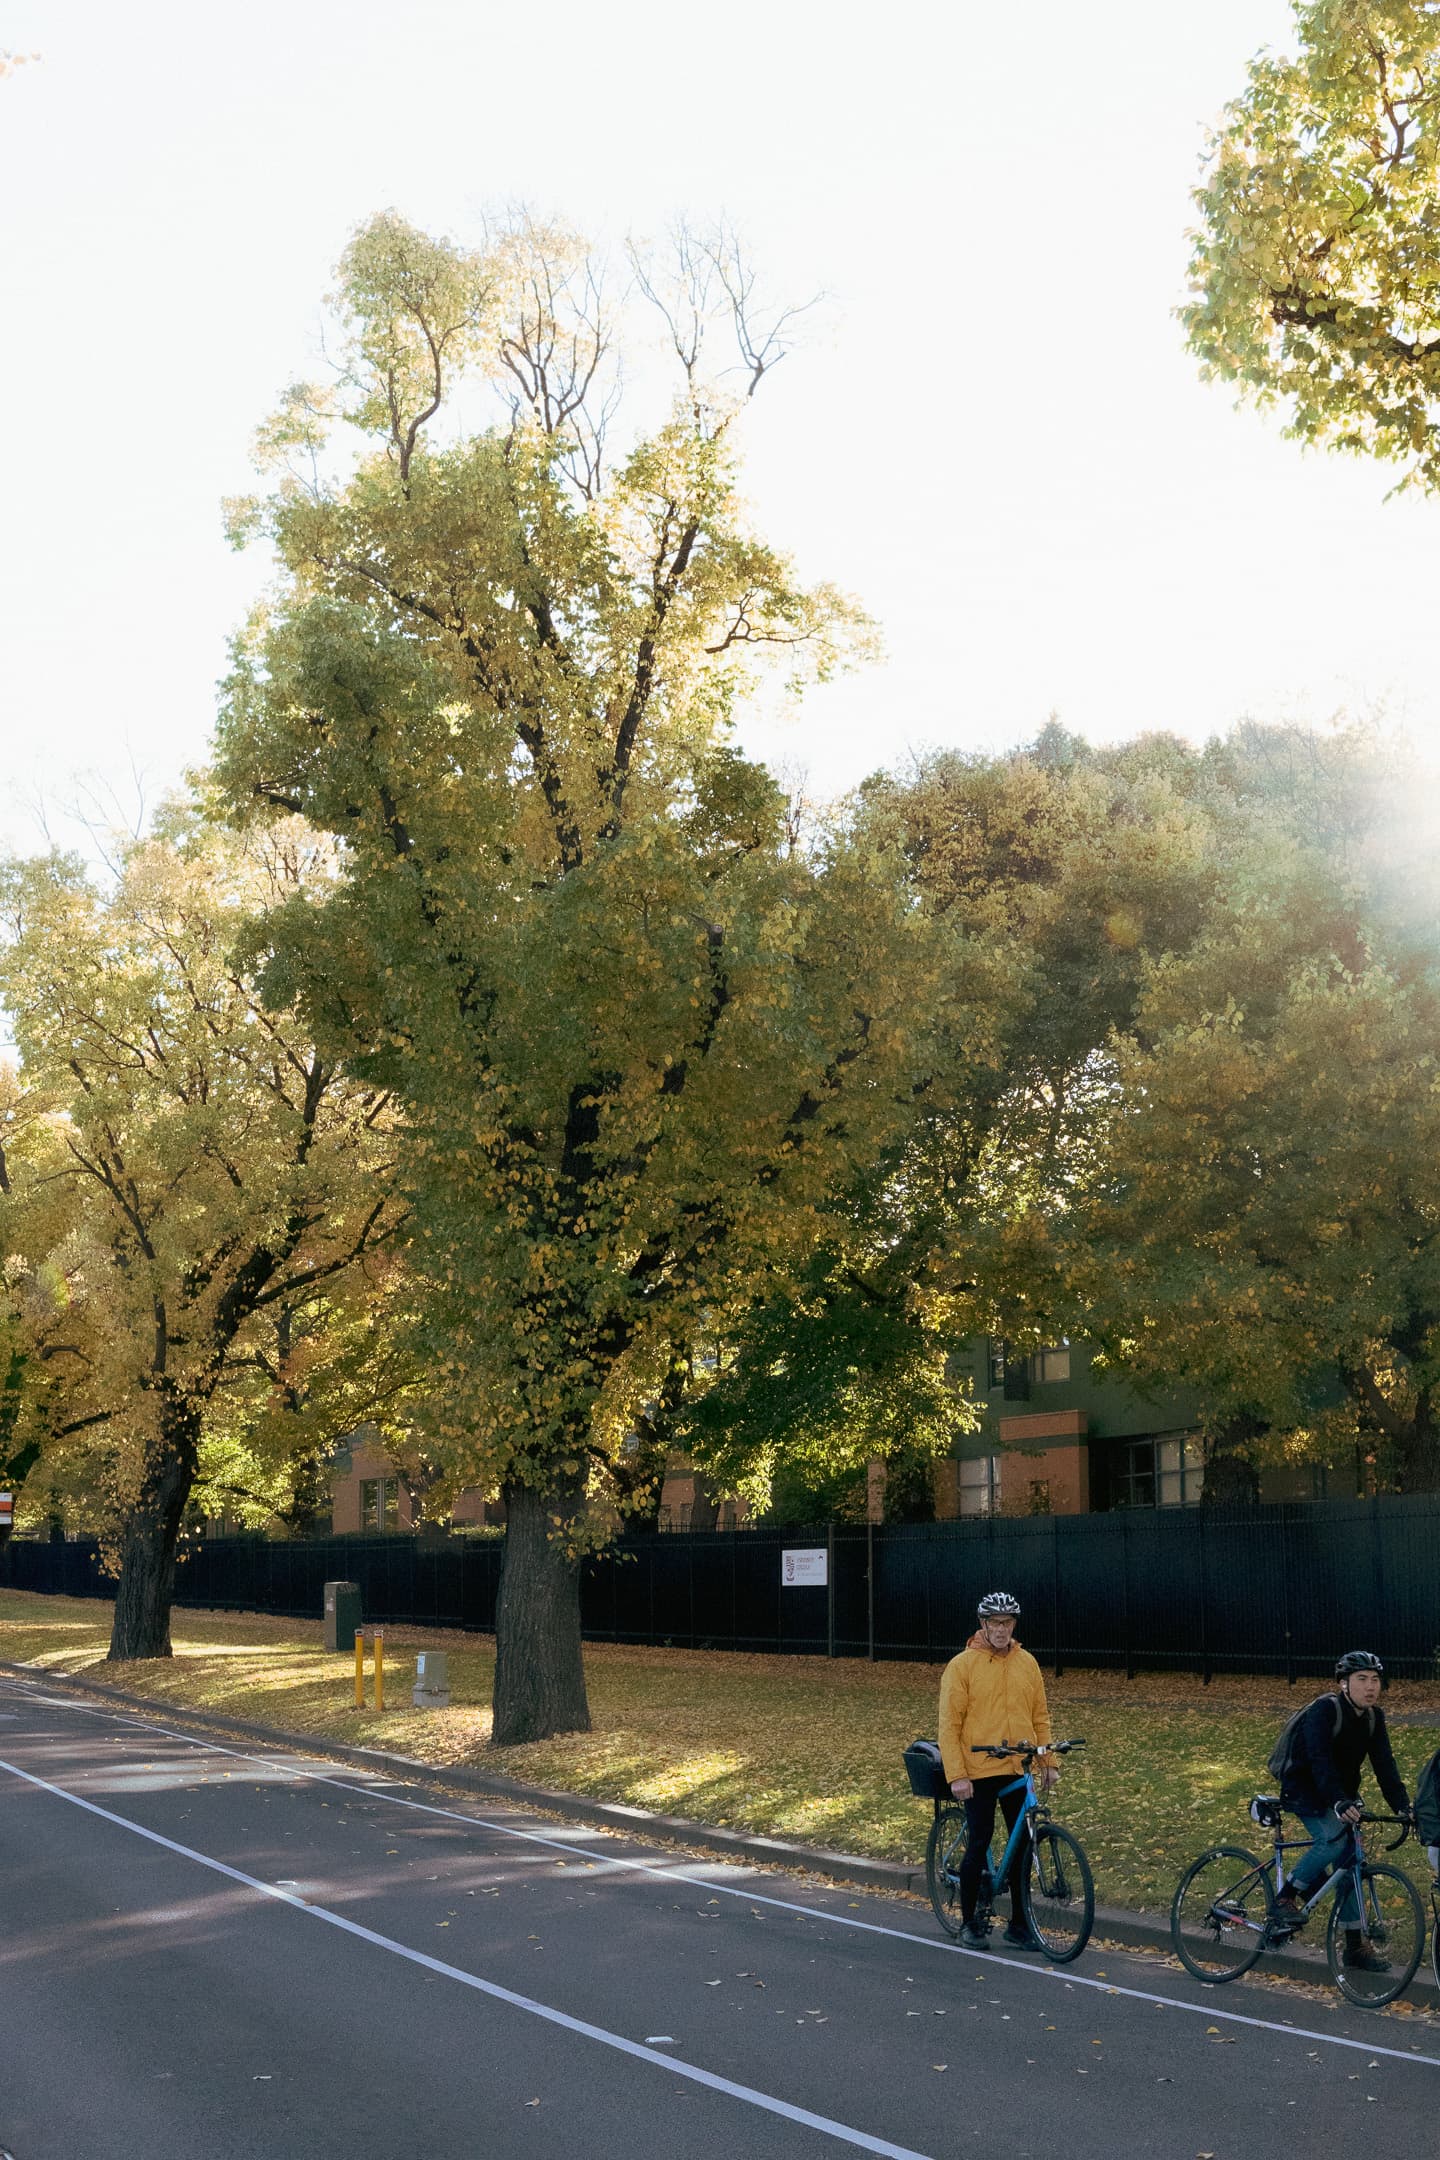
{"x":766,"y":2101}
{"x":1065,"y":1976}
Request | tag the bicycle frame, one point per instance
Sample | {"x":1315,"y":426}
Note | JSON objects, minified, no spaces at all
{"x":1348,"y":1871}
{"x":1034,"y":1810}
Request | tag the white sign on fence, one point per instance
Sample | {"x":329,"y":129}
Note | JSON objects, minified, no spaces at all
{"x":7,"y":1507}
{"x":803,"y":1569}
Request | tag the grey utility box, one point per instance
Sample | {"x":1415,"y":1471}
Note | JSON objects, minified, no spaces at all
{"x":343,"y":1618}
{"x":432,"y":1680}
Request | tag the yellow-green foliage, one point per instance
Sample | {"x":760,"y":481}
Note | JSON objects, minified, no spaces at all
{"x":196,"y":1200}
{"x":1316,"y":268}
{"x":641,"y":1037}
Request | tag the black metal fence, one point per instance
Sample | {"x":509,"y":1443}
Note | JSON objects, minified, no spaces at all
{"x":1261,"y":1589}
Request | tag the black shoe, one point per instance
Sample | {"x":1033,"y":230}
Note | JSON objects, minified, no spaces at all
{"x":1288,"y":1917}
{"x":974,"y":1938}
{"x":1362,"y":1956}
{"x":1022,"y":1938}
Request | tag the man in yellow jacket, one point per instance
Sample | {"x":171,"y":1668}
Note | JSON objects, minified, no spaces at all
{"x":992,"y":1691}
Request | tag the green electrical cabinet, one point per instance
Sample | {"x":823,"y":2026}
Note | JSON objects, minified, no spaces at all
{"x":343,"y":1617}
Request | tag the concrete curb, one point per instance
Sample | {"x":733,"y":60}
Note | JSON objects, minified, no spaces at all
{"x":1113,"y":1924}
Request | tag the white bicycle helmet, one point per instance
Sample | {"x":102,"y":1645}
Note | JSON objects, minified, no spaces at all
{"x":998,"y":1605}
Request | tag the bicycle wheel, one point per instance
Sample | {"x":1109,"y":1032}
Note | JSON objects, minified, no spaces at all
{"x":1220,"y":1913}
{"x":943,"y":1854}
{"x":1393,"y":1923}
{"x":1059,"y":1893}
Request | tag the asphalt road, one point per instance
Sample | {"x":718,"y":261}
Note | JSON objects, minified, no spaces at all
{"x":211,"y":1951}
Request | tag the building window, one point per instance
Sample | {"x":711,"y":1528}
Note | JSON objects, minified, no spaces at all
{"x":379,"y":1503}
{"x":979,"y":1484}
{"x":1133,"y":1477}
{"x":1179,"y":1470}
{"x":1017,"y":1375}
{"x":1168,"y":1472}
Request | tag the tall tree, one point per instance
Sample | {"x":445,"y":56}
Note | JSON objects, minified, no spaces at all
{"x":1316,"y":269}
{"x":640,"y":1036}
{"x":214,"y":1167}
{"x":1047,"y":879}
{"x":1266,"y":1221}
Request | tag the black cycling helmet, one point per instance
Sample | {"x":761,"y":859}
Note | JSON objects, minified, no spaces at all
{"x":1355,"y":1661}
{"x":998,"y":1605}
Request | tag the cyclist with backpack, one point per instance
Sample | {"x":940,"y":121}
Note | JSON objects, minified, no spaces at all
{"x":1320,"y":1755}
{"x":992,"y":1691}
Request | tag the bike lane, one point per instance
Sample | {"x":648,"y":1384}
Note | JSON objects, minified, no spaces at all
{"x":849,"y":2010}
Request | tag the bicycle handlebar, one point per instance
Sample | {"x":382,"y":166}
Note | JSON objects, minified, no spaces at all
{"x":1026,"y":1748}
{"x":1404,"y":1823}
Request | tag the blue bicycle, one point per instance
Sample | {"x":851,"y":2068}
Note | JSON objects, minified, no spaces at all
{"x":1058,"y":1888}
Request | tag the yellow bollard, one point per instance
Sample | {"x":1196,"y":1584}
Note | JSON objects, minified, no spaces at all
{"x":359,"y":1669}
{"x":379,"y":1670}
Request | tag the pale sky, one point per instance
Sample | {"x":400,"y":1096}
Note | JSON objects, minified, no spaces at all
{"x":998,"y":442}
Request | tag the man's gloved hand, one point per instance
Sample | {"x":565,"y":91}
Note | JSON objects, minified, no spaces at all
{"x":1348,"y":1811}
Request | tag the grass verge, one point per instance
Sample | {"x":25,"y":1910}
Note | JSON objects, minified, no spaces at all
{"x":789,"y":1747}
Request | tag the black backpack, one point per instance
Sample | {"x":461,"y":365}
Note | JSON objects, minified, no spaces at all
{"x":1278,"y":1761}
{"x":1427,"y":1802}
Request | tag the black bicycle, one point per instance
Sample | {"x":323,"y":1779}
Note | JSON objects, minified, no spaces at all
{"x":1224,"y":1912}
{"x":1058,"y":1891}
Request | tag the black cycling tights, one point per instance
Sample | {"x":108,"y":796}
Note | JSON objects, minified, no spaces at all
{"x":979,"y":1829}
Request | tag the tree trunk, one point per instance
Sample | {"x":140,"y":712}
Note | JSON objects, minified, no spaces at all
{"x":640,"y":1481}
{"x":1417,"y":1451}
{"x":705,"y":1507}
{"x":1231,"y":1478}
{"x":147,"y":1554}
{"x":640,"y":1473}
{"x":539,"y":1665}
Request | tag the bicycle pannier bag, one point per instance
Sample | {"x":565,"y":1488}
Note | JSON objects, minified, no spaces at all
{"x":925,"y":1770}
